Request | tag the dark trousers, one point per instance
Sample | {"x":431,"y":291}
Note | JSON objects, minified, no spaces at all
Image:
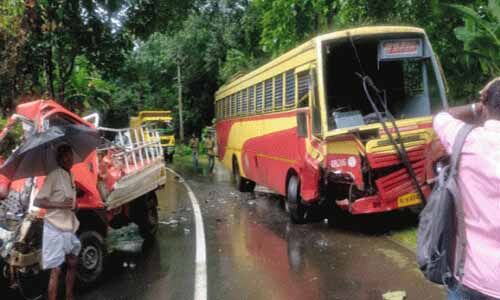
{"x":211,"y":163}
{"x":461,"y":292}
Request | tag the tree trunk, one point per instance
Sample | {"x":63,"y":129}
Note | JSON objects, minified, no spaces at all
{"x":181,"y":121}
{"x":49,"y":68}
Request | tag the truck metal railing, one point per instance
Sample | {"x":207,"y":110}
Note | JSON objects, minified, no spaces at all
{"x":138,"y":146}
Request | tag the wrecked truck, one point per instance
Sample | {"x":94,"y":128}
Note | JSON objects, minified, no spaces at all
{"x":116,"y":185}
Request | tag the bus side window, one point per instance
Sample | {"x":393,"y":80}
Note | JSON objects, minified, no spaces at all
{"x":233,"y":105}
{"x":258,"y":97}
{"x":244,"y":102}
{"x":290,"y":89}
{"x":226,"y":108}
{"x":303,"y":79}
{"x":278,"y":92}
{"x":302,"y":124}
{"x":251,"y":103}
{"x":268,"y":95}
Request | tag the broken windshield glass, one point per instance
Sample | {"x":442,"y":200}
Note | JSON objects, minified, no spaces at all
{"x":407,"y":84}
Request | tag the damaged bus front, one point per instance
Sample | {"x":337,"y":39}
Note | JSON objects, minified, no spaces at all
{"x":380,"y":88}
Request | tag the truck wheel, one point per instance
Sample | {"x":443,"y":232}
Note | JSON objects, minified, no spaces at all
{"x":169,"y":158}
{"x":242,"y":184}
{"x":91,"y":257}
{"x":147,"y":216}
{"x":30,"y":282}
{"x":293,"y":204}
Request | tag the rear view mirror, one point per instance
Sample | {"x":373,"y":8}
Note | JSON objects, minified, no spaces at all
{"x":302,"y":124}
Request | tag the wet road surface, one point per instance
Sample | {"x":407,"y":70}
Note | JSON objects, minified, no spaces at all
{"x":165,"y":269}
{"x":254,"y":252}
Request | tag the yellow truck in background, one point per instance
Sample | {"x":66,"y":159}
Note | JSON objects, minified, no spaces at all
{"x":161,"y":121}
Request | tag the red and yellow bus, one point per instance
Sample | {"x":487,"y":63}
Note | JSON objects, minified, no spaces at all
{"x":303,"y":124}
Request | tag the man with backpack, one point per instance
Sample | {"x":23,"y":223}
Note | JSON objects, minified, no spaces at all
{"x":479,"y":189}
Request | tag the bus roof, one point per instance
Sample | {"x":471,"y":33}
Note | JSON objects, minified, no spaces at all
{"x":310,"y":45}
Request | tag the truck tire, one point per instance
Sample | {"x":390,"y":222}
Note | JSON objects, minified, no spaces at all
{"x":169,"y":158}
{"x":242,"y":184}
{"x":31,"y":283}
{"x":146,"y":215}
{"x":91,"y":258}
{"x":294,"y":206}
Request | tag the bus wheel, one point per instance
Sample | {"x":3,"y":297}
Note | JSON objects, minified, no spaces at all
{"x":294,"y":205}
{"x":241,"y":183}
{"x":91,"y":258}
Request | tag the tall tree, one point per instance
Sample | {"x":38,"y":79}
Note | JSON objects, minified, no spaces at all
{"x":481,"y":36}
{"x":70,"y":28}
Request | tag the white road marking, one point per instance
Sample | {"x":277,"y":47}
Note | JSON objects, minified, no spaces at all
{"x":200,"y":280}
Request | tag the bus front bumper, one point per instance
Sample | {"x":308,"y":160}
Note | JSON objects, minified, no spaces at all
{"x":376,"y":204}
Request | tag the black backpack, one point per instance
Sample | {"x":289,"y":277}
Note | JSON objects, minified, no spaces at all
{"x":441,"y":220}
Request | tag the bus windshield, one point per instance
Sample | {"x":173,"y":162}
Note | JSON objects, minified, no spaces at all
{"x":407,"y":83}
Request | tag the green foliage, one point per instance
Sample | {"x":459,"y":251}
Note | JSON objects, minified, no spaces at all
{"x":13,"y":38}
{"x":152,"y":16}
{"x":285,"y":23}
{"x":119,"y":57}
{"x":11,"y":13}
{"x":481,"y":36}
{"x":11,"y":140}
{"x":87,"y":90}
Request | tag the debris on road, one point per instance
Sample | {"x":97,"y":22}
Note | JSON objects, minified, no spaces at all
{"x":322,"y":245}
{"x":394,"y":295}
{"x":125,"y":239}
{"x":171,"y":222}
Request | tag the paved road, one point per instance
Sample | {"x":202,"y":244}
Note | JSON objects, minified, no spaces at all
{"x":253,"y":252}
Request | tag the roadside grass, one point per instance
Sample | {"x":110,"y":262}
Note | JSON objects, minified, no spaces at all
{"x":183,"y":161}
{"x":407,"y":237}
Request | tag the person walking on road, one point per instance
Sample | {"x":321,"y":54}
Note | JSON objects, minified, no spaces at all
{"x":59,"y":242}
{"x":194,"y":144}
{"x":210,"y":146}
{"x":478,"y":181}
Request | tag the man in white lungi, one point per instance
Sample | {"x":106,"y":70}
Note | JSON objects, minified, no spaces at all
{"x":60,"y":244}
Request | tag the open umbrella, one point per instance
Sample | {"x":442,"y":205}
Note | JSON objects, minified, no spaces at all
{"x":36,"y":156}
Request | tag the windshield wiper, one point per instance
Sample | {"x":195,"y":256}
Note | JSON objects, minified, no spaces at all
{"x":400,"y":147}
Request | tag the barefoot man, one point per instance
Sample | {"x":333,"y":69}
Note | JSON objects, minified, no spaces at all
{"x":60,"y":243}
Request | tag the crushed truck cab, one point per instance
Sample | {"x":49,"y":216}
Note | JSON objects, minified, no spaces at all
{"x":115,"y":185}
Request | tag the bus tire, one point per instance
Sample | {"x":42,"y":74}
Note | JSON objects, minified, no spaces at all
{"x":91,"y":258}
{"x":242,"y":184}
{"x":296,"y":209}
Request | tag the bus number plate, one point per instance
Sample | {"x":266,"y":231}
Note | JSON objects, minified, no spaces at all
{"x":408,"y":200}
